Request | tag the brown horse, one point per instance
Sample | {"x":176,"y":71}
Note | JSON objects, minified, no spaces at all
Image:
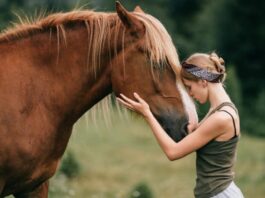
{"x":55,"y":69}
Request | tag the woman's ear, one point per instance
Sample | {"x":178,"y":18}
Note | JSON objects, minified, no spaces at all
{"x":204,"y":83}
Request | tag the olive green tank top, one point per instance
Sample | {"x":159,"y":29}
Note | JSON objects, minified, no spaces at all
{"x":214,"y":163}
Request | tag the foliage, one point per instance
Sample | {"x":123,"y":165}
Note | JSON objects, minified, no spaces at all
{"x":141,"y":190}
{"x":70,"y":166}
{"x":185,"y":13}
{"x":234,"y":28}
{"x":241,"y":37}
{"x":59,"y":187}
{"x":159,"y":9}
{"x":233,"y":87}
{"x":259,"y":115}
{"x":10,"y":8}
{"x":254,"y":117}
{"x":238,"y":36}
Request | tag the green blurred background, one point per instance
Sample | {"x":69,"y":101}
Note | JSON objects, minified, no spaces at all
{"x":120,"y":161}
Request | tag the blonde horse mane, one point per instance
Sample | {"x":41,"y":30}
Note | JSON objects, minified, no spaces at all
{"x":158,"y":43}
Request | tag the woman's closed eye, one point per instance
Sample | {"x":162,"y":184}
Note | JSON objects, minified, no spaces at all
{"x":188,"y":87}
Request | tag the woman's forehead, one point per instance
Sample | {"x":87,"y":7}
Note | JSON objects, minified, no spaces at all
{"x":187,"y":82}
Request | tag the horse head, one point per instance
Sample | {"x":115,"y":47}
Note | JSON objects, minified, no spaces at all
{"x":149,"y":65}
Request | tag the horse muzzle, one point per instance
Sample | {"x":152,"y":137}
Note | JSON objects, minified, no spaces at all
{"x":176,"y":126}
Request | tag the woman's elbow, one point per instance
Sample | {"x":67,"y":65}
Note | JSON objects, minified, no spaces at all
{"x":172,"y":156}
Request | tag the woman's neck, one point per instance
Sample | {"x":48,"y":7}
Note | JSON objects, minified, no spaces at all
{"x":217,"y":95}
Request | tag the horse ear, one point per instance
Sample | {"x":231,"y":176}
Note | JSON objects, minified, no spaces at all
{"x":134,"y":25}
{"x":138,"y":9}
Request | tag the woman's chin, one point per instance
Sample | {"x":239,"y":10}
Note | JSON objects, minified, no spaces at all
{"x":202,"y":101}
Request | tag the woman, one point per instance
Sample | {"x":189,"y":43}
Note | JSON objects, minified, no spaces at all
{"x":216,"y":136}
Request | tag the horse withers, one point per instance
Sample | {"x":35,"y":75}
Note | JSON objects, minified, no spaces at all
{"x":55,"y":69}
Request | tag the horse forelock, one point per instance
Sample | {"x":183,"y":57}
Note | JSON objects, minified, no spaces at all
{"x":158,"y":42}
{"x":161,"y":49}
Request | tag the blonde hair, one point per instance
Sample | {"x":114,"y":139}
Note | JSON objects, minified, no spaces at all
{"x":211,"y":62}
{"x":157,"y":40}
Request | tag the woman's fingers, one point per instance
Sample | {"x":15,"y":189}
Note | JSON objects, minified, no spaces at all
{"x":142,"y":101}
{"x":139,"y":105}
{"x":139,"y":101}
{"x":128,"y":100}
{"x":129,"y":106}
{"x":136,"y":95}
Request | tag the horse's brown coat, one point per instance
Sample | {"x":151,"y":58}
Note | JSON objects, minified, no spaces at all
{"x":47,"y":83}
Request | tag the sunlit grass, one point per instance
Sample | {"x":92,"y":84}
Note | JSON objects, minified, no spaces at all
{"x":116,"y":158}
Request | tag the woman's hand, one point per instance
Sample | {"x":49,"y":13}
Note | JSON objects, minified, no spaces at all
{"x":139,"y":105}
{"x":192,"y":127}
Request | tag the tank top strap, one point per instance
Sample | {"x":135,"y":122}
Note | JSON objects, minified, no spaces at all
{"x":227,"y":104}
{"x":234,"y":123}
{"x":222,"y":105}
{"x":219,"y":108}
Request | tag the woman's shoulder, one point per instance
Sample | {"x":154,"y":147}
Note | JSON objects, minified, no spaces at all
{"x":229,"y":122}
{"x":215,"y":125}
{"x":219,"y":119}
{"x":222,"y":116}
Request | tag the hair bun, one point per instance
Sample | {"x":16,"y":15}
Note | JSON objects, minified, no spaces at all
{"x":218,"y":62}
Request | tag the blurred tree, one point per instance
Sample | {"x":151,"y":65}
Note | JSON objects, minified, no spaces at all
{"x":157,"y":8}
{"x":233,"y":87}
{"x":238,"y":35}
{"x":241,"y":38}
{"x":8,"y":8}
{"x":254,"y":117}
{"x":141,"y":190}
{"x":58,"y":5}
{"x":5,"y":10}
{"x":184,"y":13}
{"x":70,"y":166}
{"x":236,"y":29}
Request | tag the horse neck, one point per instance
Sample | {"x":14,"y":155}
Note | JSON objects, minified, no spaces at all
{"x":60,"y":68}
{"x":52,"y":81}
{"x":85,"y":82}
{"x":60,"y":65}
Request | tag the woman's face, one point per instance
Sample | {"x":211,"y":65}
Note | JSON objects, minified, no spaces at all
{"x":197,"y":90}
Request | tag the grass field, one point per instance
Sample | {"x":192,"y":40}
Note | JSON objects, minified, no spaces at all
{"x":115,"y":158}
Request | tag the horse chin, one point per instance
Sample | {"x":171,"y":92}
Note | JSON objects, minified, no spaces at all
{"x":175,"y":126}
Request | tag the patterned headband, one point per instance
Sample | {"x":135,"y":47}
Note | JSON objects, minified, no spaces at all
{"x":202,"y":73}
